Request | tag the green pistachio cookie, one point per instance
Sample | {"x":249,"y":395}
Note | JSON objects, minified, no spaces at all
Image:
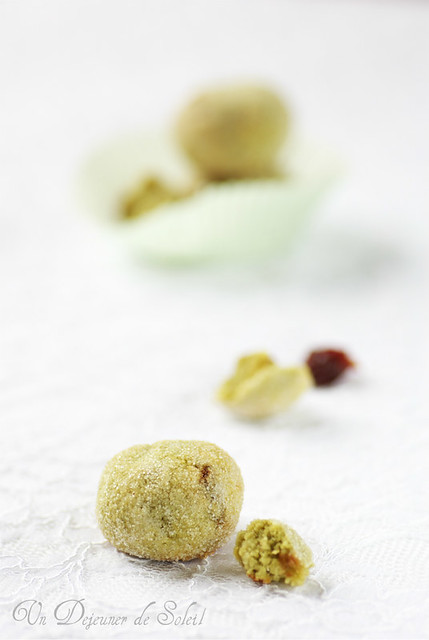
{"x":171,"y":500}
{"x":234,"y":131}
{"x":271,"y":551}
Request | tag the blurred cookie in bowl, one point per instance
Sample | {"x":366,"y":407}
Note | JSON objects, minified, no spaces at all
{"x":234,"y":132}
{"x":226,"y":180}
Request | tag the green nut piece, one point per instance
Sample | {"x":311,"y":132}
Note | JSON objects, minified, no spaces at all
{"x":271,"y":551}
{"x":259,"y":388}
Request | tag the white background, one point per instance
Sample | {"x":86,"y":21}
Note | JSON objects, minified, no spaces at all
{"x":98,"y":353}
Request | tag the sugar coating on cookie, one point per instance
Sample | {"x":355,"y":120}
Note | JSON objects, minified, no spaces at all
{"x":171,"y":500}
{"x":259,"y":388}
{"x":272,"y":551}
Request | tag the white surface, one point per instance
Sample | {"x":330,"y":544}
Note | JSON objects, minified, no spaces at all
{"x":98,"y":353}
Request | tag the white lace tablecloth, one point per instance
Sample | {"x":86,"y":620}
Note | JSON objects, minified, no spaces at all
{"x":99,"y":353}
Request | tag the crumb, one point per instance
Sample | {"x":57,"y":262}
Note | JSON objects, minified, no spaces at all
{"x":272,"y":551}
{"x":151,"y":192}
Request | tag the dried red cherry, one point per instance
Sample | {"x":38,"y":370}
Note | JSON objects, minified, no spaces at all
{"x":327,"y":365}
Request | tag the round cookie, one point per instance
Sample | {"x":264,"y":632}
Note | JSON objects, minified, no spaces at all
{"x":234,"y":132}
{"x":171,"y":500}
